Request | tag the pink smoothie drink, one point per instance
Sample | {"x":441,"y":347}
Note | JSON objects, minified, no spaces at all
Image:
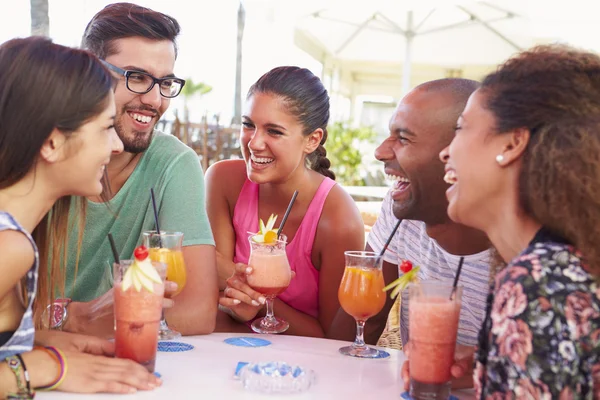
{"x":433,"y":327}
{"x":137,"y":316}
{"x":271,"y":273}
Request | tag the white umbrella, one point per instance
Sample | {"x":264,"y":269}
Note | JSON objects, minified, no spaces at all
{"x":432,"y":32}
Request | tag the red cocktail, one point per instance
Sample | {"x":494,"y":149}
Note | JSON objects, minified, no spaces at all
{"x":138,"y":307}
{"x":434,"y":311}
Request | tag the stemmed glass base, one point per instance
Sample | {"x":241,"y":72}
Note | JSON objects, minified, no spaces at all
{"x":359,"y":348}
{"x":359,"y":351}
{"x":270,"y":325}
{"x":166,"y":333}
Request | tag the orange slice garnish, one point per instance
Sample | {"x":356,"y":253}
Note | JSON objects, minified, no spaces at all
{"x":270,"y":237}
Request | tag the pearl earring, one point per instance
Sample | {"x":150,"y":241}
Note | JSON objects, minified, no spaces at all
{"x":499,"y":158}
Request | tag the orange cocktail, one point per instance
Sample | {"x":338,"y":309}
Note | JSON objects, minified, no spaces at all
{"x":166,"y":247}
{"x":361,"y":295}
{"x":175,"y":265}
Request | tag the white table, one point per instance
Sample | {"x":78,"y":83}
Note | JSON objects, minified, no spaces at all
{"x":207,"y":371}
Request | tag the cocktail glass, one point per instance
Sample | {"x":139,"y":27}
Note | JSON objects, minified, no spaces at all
{"x":271,"y":275}
{"x":361,"y":295}
{"x":166,"y":248}
{"x":137,"y":316}
{"x":434,"y":310}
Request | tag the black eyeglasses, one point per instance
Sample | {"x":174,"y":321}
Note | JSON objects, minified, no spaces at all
{"x":141,"y":82}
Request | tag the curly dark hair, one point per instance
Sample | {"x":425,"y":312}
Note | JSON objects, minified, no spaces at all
{"x":554,"y":92}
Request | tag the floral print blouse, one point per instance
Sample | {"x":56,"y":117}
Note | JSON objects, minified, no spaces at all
{"x":540,"y":337}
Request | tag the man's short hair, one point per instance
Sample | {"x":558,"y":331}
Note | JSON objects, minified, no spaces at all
{"x":123,"y":20}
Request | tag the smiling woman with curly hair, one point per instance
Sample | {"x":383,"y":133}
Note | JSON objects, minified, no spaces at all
{"x":525,"y":168}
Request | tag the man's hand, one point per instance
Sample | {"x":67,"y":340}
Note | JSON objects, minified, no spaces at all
{"x":462,"y":369}
{"x":96,"y":317}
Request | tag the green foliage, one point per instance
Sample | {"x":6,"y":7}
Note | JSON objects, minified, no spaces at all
{"x":192,"y":88}
{"x":343,"y":150}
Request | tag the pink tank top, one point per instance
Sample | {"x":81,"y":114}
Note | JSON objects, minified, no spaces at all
{"x":303,"y":292}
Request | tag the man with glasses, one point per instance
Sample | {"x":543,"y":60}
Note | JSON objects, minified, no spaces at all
{"x":138,"y":45}
{"x":142,"y":82}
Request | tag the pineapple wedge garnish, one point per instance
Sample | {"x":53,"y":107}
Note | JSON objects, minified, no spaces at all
{"x":267,"y":233}
{"x":141,"y":273}
{"x":402,"y":282}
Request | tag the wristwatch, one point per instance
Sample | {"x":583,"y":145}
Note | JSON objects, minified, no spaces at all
{"x":55,"y":315}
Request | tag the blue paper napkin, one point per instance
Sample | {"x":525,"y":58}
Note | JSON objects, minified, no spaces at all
{"x":382,"y":354}
{"x":174,"y":347}
{"x":247,"y":342}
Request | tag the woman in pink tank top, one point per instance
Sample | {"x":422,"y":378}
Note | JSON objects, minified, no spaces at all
{"x":284,"y":130}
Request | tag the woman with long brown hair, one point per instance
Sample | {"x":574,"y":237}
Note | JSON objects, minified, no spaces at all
{"x":525,"y":168}
{"x":284,"y":130}
{"x":56,"y":137}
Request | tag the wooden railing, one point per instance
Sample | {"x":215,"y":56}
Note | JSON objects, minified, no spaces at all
{"x":211,"y":141}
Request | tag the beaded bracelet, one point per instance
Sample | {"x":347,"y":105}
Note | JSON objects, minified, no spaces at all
{"x":16,"y":367}
{"x":25,"y":373}
{"x":62,"y":361}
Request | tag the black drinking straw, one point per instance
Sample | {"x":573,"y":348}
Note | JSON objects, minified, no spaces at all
{"x":387,"y":243}
{"x":114,"y":248}
{"x":287,"y":213}
{"x":460,"y":264}
{"x":155,"y":216}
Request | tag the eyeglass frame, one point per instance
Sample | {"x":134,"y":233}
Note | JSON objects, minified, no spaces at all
{"x":127,"y":72}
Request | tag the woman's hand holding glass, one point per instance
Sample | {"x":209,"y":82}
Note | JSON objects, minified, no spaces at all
{"x":243,"y":301}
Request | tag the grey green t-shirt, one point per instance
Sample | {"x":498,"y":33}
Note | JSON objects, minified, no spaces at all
{"x":173,"y":169}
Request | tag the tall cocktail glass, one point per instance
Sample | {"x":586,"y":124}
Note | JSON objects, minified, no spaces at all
{"x":434,"y":310}
{"x":271,"y":275}
{"x":137,"y":316}
{"x":166,"y":247}
{"x":361,"y":295}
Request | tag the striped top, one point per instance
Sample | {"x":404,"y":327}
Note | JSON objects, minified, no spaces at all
{"x":412,"y":243}
{"x":22,"y":339}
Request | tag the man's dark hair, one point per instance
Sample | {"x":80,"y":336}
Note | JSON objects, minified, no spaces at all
{"x":123,"y":20}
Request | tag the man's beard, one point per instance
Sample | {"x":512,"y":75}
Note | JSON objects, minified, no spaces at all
{"x":136,"y":144}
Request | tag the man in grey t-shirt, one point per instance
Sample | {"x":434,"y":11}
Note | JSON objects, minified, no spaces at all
{"x":421,"y":126}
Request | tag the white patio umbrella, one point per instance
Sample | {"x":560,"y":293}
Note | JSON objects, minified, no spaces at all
{"x":407,"y":32}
